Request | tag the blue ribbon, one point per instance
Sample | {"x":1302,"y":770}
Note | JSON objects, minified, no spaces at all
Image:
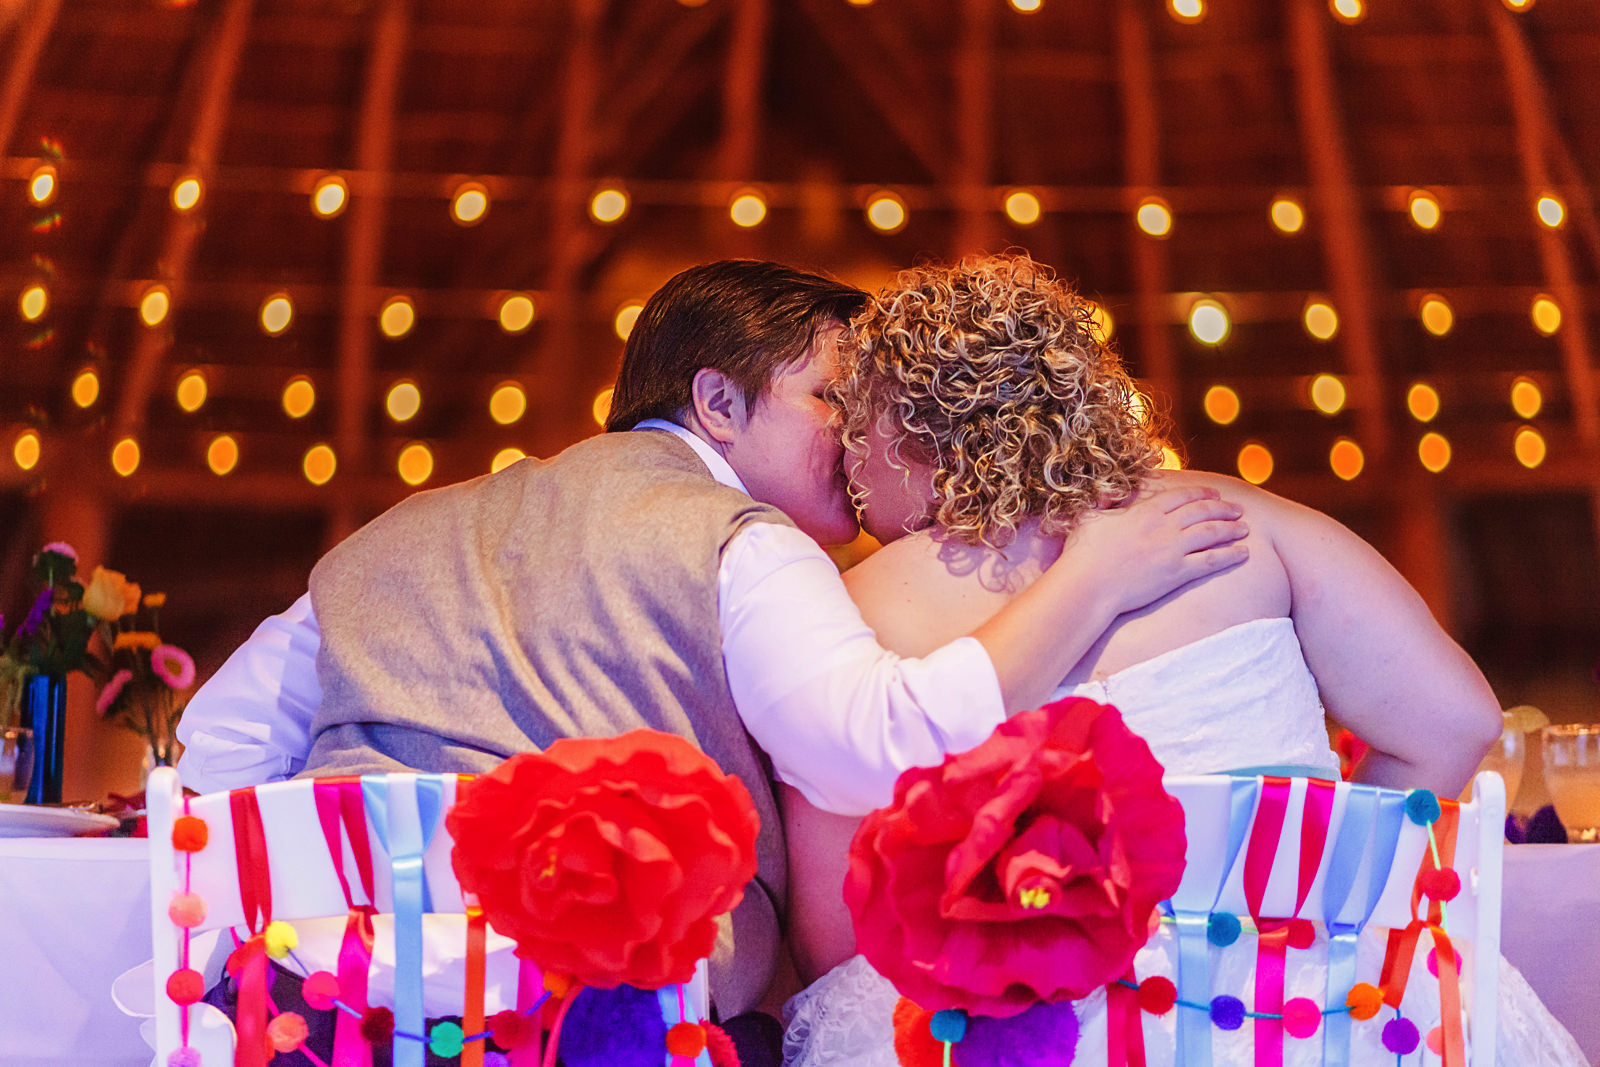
{"x":1370,"y":814}
{"x":405,"y":820}
{"x":1194,"y":950}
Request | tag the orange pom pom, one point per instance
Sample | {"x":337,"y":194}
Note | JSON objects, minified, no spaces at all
{"x":189,"y":834}
{"x":287,"y":1032}
{"x":686,"y":1039}
{"x":557,"y":984}
{"x":185,"y":986}
{"x":1364,"y":1000}
{"x":187,"y":910}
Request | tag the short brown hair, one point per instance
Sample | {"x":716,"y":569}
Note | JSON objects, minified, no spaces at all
{"x":744,"y":317}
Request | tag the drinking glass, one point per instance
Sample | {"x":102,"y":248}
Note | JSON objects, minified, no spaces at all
{"x":1506,"y":757}
{"x":16,"y":762}
{"x":1572,"y":774}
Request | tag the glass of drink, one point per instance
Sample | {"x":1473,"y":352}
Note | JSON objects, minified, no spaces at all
{"x":1572,"y":774}
{"x":16,"y":762}
{"x":1506,"y":756}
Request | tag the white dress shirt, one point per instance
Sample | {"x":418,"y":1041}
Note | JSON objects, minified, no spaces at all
{"x":839,"y":715}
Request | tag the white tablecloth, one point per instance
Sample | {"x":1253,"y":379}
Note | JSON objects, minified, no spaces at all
{"x":74,"y":914}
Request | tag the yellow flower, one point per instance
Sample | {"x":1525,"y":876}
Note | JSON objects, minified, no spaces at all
{"x":155,"y":600}
{"x":143,"y":640}
{"x":107,"y":595}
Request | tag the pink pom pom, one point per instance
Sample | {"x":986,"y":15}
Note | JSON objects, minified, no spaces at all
{"x":184,"y":1057}
{"x":185,"y":986}
{"x":187,"y":910}
{"x":320,"y":990}
{"x":1301,"y":1017}
{"x":1436,"y":1041}
{"x":1433,"y":961}
{"x":287,"y":1032}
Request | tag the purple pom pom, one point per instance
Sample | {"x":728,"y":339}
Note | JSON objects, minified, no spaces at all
{"x":619,"y":1027}
{"x":1045,"y":1034}
{"x":184,"y":1057}
{"x":1227,"y":1013}
{"x":1400,"y":1036}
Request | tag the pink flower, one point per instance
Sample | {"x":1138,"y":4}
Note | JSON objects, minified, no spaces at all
{"x":61,"y":548}
{"x":112,"y":690}
{"x":173,"y":666}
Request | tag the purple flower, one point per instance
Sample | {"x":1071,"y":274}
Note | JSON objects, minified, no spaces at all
{"x":36,"y":614}
{"x":61,"y":548}
{"x":113,"y":689}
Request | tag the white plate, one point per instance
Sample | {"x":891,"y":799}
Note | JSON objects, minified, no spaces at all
{"x":32,"y":820}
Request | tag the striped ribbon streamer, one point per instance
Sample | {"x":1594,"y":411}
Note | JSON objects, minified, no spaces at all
{"x":339,"y":800}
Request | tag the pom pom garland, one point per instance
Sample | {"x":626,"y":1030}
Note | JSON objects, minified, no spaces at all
{"x":280,"y":939}
{"x":557,"y":984}
{"x":1400,"y":1036}
{"x":1045,"y":1035}
{"x":1433,"y":961}
{"x":1441,"y":885}
{"x":1227,"y":1013}
{"x":1157,"y":995}
{"x":320,"y":990}
{"x":1222,"y":929}
{"x":686,"y":1039}
{"x":185,"y":986}
{"x":1364,"y":1000}
{"x":1422,"y":807}
{"x":723,"y":1051}
{"x":948,"y":1025}
{"x":187,"y":910}
{"x":287,"y":1032}
{"x":189,"y":833}
{"x":511,"y":1029}
{"x":445,"y":1039}
{"x":377,"y":1025}
{"x":1302,"y":933}
{"x":1301,"y":1017}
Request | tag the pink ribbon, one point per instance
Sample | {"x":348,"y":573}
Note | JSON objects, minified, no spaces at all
{"x":255,"y":893}
{"x":339,"y":800}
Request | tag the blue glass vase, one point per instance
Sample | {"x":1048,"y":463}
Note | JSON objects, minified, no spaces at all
{"x":44,"y":711}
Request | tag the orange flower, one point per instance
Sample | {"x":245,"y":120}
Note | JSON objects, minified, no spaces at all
{"x":140,"y":640}
{"x":109,"y":595}
{"x":155,"y":600}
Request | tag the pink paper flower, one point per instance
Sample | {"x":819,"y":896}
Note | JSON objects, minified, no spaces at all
{"x":61,"y":548}
{"x":173,"y":666}
{"x":112,"y":690}
{"x":1023,"y":870}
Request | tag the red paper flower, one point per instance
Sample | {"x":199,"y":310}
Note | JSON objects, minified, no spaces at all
{"x":1023,"y":870}
{"x":607,"y":859}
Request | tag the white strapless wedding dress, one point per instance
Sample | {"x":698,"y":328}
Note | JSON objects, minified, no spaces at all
{"x":1240,"y":699}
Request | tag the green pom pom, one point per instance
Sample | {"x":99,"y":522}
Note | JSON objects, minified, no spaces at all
{"x":445,"y":1040}
{"x":1222,"y":929}
{"x":948,"y":1025}
{"x":1422,"y":807}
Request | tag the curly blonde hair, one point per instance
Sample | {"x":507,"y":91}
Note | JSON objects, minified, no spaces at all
{"x":993,"y":371}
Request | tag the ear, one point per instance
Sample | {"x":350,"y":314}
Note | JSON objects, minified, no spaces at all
{"x":718,"y":405}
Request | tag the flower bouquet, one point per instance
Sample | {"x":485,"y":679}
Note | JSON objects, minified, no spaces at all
{"x":142,"y":675}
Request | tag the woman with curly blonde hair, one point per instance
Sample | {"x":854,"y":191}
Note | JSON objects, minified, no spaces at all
{"x":987,"y":423}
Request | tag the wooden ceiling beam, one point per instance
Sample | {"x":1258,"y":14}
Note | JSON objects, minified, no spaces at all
{"x":219,"y":69}
{"x":19,"y":72}
{"x":971,"y":164}
{"x":1336,"y":204}
{"x":743,"y":78}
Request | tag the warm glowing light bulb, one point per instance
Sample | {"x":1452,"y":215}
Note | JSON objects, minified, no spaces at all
{"x":403,"y":401}
{"x":1552,"y":212}
{"x":627,"y":315}
{"x":42,"y":184}
{"x":154,"y":305}
{"x":1519,"y":5}
{"x":601,"y":408}
{"x":508,"y":403}
{"x":1526,"y":399}
{"x":33,"y":302}
{"x":1346,"y":458}
{"x":1424,"y":209}
{"x":1529,"y":447}
{"x":192,"y":391}
{"x":1023,"y":207}
{"x":277,"y":311}
{"x":328,"y":199}
{"x":125,"y":456}
{"x":886,"y":212}
{"x":470,"y":203}
{"x":1327,"y":394}
{"x":1154,"y":216}
{"x":1348,"y":11}
{"x":1438,"y":318}
{"x":1208,"y":321}
{"x":505,"y":458}
{"x":186,"y":193}
{"x":1287,"y":215}
{"x":319,"y":464}
{"x":1221,"y":405}
{"x":1321,"y":321}
{"x":1546,"y":315}
{"x":299,"y":396}
{"x":608,"y":205}
{"x":1434,"y":451}
{"x":415,"y":463}
{"x":86,"y":388}
{"x":222,"y":454}
{"x":26,"y":450}
{"x":1170,"y":460}
{"x":397,"y":316}
{"x":1422,"y":400}
{"x":1104,"y":324}
{"x":747,"y":208}
{"x":516,"y":313}
{"x":1255,"y":463}
{"x":1187,"y":10}
{"x":1026,"y":6}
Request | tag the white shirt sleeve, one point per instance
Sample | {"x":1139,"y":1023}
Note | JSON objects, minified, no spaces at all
{"x":251,"y":722}
{"x":839,"y":715}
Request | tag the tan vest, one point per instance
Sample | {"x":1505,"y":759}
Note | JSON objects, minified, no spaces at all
{"x":575,"y":597}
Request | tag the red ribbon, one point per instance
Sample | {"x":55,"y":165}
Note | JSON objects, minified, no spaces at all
{"x":255,"y":893}
{"x":339,"y":800}
{"x":1402,"y":947}
{"x":472,"y":1011}
{"x":1124,"y":1025}
{"x":530,"y":984}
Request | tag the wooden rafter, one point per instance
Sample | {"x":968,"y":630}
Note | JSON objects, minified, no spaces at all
{"x":974,"y":128}
{"x":182,"y":234}
{"x":19,"y":72}
{"x":1142,"y":171}
{"x":744,"y":74}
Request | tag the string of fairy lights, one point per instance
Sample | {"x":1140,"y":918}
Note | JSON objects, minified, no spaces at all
{"x":884,"y":210}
